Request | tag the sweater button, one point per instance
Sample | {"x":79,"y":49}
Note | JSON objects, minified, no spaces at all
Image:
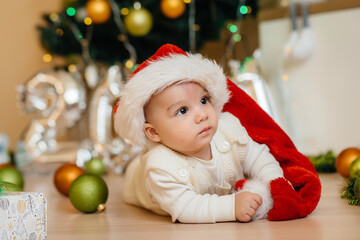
{"x":183,"y":172}
{"x":226,"y":145}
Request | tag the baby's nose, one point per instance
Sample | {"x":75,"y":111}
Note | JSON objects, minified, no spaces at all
{"x":201,"y":115}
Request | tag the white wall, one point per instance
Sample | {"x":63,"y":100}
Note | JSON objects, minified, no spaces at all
{"x":322,"y":95}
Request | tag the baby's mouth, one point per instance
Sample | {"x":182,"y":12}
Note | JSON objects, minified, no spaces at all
{"x":205,"y":130}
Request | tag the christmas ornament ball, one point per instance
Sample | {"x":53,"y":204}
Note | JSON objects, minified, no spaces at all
{"x":65,"y":175}
{"x":98,"y":10}
{"x":138,"y":22}
{"x":95,"y":166}
{"x":12,"y":175}
{"x":10,"y":187}
{"x":172,"y":8}
{"x":344,"y":160}
{"x":354,"y":169}
{"x":356,"y":188}
{"x":3,"y":165}
{"x":88,"y":193}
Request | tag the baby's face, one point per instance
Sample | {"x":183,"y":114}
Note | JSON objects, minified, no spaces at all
{"x":183,"y":119}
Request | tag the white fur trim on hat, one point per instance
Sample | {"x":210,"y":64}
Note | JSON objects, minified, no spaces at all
{"x":263,"y":189}
{"x":129,"y":117}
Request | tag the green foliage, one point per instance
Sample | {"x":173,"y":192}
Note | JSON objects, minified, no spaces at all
{"x":348,"y":192}
{"x":105,"y":46}
{"x":324,"y":162}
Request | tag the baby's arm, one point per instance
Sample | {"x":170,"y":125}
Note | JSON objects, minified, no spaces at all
{"x":261,"y":168}
{"x":259,"y":163}
{"x":184,"y":204}
{"x":246,"y":204}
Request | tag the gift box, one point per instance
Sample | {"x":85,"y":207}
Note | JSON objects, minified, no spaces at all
{"x":23,"y":215}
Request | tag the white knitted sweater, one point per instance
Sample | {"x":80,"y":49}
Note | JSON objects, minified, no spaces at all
{"x":192,"y":190}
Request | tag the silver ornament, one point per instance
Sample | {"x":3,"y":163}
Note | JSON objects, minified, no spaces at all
{"x":114,"y":151}
{"x":58,"y":99}
{"x":101,"y":107}
{"x":92,"y":75}
{"x":251,"y":82}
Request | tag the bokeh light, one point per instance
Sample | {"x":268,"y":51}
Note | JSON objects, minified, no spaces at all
{"x":243,"y":10}
{"x":47,"y":57}
{"x":124,"y":11}
{"x":129,"y":64}
{"x":285,"y":78}
{"x":88,"y":21}
{"x":72,"y":68}
{"x":59,"y":32}
{"x":233,"y":28}
{"x":237,"y":37}
{"x":71,"y":11}
{"x":54,"y":17}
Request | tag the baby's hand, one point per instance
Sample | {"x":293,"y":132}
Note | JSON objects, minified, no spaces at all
{"x":246,"y":204}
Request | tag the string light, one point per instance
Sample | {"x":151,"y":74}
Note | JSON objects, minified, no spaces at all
{"x":54,"y":17}
{"x":137,"y":5}
{"x":196,"y":27}
{"x":284,"y":3}
{"x":285,"y":78}
{"x":72,"y":68}
{"x":187,"y":1}
{"x":124,"y":11}
{"x":88,"y":21}
{"x":59,"y":32}
{"x":233,"y":28}
{"x":134,"y":67}
{"x":237,"y":37}
{"x":288,"y":50}
{"x":243,"y":9}
{"x":129,"y":64}
{"x":121,"y":37}
{"x":249,"y":9}
{"x":47,"y":57}
{"x":71,"y":11}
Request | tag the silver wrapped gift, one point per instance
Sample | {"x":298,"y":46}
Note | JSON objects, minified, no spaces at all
{"x":23,"y":215}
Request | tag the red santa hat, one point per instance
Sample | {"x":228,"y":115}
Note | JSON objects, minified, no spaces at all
{"x":169,"y":65}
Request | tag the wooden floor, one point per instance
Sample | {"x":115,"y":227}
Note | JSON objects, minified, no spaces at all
{"x":333,"y":218}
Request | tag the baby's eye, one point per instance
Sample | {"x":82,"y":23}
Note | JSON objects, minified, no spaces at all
{"x":204,"y":100}
{"x":182,"y":111}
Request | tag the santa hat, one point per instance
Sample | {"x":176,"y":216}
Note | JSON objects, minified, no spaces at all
{"x":169,"y":65}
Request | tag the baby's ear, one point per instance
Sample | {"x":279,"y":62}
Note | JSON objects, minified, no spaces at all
{"x":151,"y":132}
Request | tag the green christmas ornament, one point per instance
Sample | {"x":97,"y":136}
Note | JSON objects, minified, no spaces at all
{"x":357,"y":188}
{"x":95,"y":166}
{"x":88,"y":193}
{"x":354,"y":169}
{"x":9,"y":187}
{"x":12,"y":175}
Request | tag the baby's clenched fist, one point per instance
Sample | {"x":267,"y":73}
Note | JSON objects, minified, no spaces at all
{"x":246,"y":204}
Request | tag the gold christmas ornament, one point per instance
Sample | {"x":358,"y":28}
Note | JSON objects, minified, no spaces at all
{"x":65,"y":175}
{"x":138,"y":22}
{"x":344,"y":160}
{"x":172,"y":8}
{"x":98,"y":10}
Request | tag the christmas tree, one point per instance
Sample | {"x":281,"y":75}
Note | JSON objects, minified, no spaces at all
{"x":113,"y":31}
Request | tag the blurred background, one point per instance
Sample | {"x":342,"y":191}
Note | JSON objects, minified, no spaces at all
{"x":64,"y":61}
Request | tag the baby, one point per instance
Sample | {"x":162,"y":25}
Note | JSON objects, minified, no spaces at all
{"x":193,"y":153}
